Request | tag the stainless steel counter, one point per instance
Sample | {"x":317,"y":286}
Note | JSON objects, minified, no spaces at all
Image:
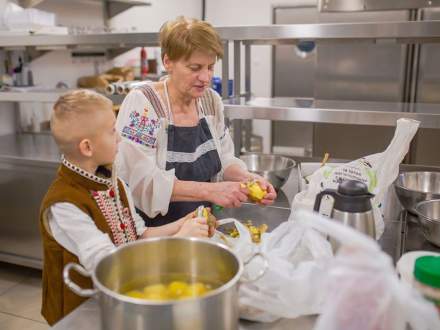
{"x":87,"y":316}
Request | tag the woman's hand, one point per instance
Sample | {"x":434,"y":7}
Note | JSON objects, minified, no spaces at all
{"x":271,"y":194}
{"x":193,"y":227}
{"x":226,"y":194}
{"x":237,"y":173}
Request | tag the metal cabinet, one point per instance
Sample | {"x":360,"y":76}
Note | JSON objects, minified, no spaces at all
{"x":28,"y":165}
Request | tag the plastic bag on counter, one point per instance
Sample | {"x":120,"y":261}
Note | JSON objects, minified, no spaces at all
{"x":363,"y":291}
{"x":377,"y":171}
{"x":356,"y":289}
{"x":293,"y":283}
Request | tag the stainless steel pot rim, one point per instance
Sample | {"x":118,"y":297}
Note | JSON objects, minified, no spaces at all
{"x":397,"y":183}
{"x":97,"y":284}
{"x":425,"y":217}
{"x":292,"y":162}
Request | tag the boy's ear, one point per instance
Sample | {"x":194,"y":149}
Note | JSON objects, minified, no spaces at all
{"x":85,"y":148}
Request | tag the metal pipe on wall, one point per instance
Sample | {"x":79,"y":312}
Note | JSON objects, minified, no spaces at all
{"x":203,"y":10}
{"x":237,"y":124}
{"x":225,"y":70}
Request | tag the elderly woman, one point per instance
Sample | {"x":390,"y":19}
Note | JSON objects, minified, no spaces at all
{"x":176,"y":152}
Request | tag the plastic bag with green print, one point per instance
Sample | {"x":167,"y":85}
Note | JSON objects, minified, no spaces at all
{"x":377,"y":171}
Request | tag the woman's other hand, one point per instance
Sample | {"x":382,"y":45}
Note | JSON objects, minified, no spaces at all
{"x":271,"y":194}
{"x":227,"y":194}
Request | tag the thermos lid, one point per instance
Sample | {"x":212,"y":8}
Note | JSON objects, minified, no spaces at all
{"x":353,"y":197}
{"x":353,"y":188}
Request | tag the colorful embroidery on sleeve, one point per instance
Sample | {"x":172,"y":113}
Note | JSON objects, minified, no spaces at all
{"x":141,"y":129}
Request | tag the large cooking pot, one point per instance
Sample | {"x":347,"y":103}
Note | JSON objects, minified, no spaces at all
{"x":149,"y":262}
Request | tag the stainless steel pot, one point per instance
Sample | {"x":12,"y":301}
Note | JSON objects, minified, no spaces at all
{"x":414,"y":187}
{"x":276,"y":169}
{"x":429,"y":216}
{"x":154,"y":259}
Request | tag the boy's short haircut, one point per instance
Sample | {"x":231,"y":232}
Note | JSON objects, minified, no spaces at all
{"x":69,"y":121}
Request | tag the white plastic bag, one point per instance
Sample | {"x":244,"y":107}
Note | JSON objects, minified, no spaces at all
{"x":293,"y":282}
{"x":357,"y":289}
{"x":362,"y":289}
{"x":377,"y":171}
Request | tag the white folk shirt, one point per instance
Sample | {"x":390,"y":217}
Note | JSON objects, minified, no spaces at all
{"x":76,"y":231}
{"x":142,"y":122}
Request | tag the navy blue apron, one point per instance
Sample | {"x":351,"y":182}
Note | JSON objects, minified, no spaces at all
{"x":192,"y":153}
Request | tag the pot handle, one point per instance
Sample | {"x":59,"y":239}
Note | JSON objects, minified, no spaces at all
{"x":262,"y":271}
{"x":72,"y":285}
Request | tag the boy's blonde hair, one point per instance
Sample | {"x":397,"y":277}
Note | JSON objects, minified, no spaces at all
{"x":179,"y":38}
{"x":72,"y":120}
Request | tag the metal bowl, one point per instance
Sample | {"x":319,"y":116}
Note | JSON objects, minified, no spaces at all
{"x":429,"y":216}
{"x":276,"y":169}
{"x":414,"y":187}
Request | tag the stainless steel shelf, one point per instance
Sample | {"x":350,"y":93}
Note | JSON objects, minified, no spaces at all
{"x":45,"y":96}
{"x":332,"y":112}
{"x":108,"y":40}
{"x":405,"y":32}
{"x":115,"y":6}
{"x":292,"y":109}
{"x":31,"y":96}
{"x":373,"y":5}
{"x":33,"y":3}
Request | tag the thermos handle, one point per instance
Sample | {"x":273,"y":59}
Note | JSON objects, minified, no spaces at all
{"x":319,"y":197}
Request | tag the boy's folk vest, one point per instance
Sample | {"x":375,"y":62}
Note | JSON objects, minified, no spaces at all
{"x":96,"y":197}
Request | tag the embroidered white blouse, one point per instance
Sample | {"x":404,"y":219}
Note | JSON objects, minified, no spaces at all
{"x":76,"y":231}
{"x":141,"y":159}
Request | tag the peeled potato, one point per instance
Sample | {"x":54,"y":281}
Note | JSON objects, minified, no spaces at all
{"x":174,"y":290}
{"x":256,"y":193}
{"x":135,"y":294}
{"x":155,"y":289}
{"x":177,"y":289}
{"x":196,"y":289}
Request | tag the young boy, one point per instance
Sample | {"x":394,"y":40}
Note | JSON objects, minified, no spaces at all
{"x":87,"y":211}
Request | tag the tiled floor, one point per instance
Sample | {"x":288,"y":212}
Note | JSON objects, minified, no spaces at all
{"x":20,"y":298}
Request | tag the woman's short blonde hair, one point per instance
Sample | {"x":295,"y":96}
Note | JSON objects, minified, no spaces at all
{"x":179,"y":38}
